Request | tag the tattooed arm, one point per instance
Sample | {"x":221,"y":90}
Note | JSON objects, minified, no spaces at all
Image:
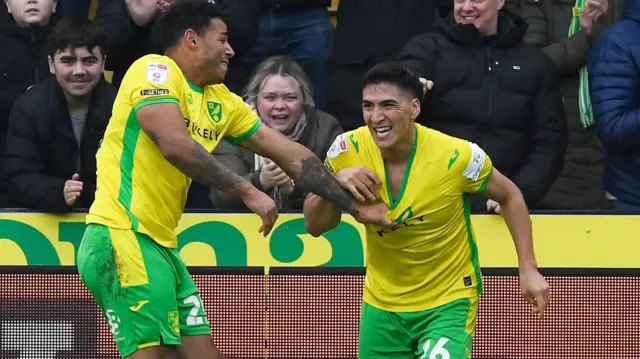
{"x":308,"y":171}
{"x":164,"y":124}
{"x":301,"y":164}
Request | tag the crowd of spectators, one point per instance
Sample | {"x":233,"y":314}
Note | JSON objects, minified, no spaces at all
{"x":549,"y":88}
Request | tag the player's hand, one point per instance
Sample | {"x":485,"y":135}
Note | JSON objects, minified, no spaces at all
{"x":427,"y":85}
{"x":361,"y":182}
{"x":72,"y":189}
{"x":264,"y":206}
{"x":493,"y":206}
{"x":373,"y":214}
{"x":535,"y":290}
{"x":272,"y":176}
{"x":142,"y":11}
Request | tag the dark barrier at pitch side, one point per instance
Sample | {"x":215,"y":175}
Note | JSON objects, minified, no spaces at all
{"x":298,"y":313}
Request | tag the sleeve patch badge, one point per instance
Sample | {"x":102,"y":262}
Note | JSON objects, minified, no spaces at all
{"x":476,"y":162}
{"x":157,"y":73}
{"x":339,"y":145}
{"x":154,"y":92}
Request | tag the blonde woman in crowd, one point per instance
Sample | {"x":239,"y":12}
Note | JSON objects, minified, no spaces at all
{"x":280,"y":93}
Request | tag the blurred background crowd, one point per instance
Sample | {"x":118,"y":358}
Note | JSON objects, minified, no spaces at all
{"x":549,"y":88}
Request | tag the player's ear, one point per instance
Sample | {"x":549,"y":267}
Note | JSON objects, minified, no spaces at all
{"x":415,"y":108}
{"x":190,"y":38}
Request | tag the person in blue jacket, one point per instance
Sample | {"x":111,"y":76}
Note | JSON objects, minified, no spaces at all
{"x":614,"y":81}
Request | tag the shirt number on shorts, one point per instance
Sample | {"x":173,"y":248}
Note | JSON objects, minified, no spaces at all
{"x":193,"y":318}
{"x":438,"y":351}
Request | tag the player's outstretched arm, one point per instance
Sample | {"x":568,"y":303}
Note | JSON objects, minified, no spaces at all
{"x":164,"y":124}
{"x":308,"y":171}
{"x":516,"y":216}
{"x":320,"y":215}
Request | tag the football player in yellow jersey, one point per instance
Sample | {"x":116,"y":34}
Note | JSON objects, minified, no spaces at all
{"x":169,"y":115}
{"x":423,"y":278}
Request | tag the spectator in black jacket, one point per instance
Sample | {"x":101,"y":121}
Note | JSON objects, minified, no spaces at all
{"x":491,"y":88}
{"x":24,"y":27}
{"x":131,"y":27}
{"x":56,"y":127}
{"x":369,"y":32}
{"x":301,"y":30}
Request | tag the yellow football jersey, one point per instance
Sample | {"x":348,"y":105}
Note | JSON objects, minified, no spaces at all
{"x":137,"y":187}
{"x":429,"y":257}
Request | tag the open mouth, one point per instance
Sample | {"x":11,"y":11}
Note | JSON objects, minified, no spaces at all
{"x":470,"y":18}
{"x":382,"y":133}
{"x":382,"y":130}
{"x":280,"y":117}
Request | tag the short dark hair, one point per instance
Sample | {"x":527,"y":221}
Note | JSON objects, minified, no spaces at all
{"x":395,"y":74}
{"x":183,"y":15}
{"x":75,"y":33}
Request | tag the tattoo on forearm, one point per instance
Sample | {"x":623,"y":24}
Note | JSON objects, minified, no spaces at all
{"x":206,"y":169}
{"x":315,"y":178}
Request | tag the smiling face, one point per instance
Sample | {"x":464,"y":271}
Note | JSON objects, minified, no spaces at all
{"x":389,"y":112}
{"x":78,"y":70}
{"x":483,"y":14}
{"x":31,"y":12}
{"x":215,"y":51}
{"x":280,"y":102}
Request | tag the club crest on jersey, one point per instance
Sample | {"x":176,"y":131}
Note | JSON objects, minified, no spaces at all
{"x":215,"y":111}
{"x":174,"y":322}
{"x":339,"y":145}
{"x":157,"y":73}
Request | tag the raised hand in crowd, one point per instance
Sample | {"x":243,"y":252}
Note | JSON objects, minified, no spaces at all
{"x":163,"y":5}
{"x":427,"y":85}
{"x":72,"y":189}
{"x":592,"y":11}
{"x":142,"y":11}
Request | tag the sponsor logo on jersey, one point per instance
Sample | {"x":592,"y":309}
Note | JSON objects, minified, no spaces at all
{"x":154,"y":92}
{"x":352,"y":138}
{"x":406,"y":215}
{"x":140,"y":304}
{"x":196,"y":130}
{"x":157,"y":73}
{"x":343,"y":145}
{"x":406,"y":219}
{"x":453,"y":158}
